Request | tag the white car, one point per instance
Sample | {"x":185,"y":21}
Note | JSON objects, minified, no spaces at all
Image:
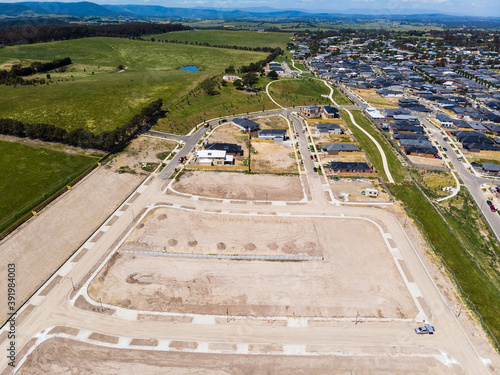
{"x":424,"y":330}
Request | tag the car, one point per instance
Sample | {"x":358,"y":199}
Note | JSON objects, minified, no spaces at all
{"x":181,"y":159}
{"x":427,"y":329}
{"x":312,"y":157}
{"x":315,"y":169}
{"x":493,"y":209}
{"x":489,"y":203}
{"x":445,"y":149}
{"x":303,"y":130}
{"x":445,"y":139}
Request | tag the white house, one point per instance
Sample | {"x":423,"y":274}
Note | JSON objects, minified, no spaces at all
{"x":214,"y":157}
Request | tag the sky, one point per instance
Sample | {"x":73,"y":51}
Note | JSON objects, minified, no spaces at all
{"x":458,"y":7}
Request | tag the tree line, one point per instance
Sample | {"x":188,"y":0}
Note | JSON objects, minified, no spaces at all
{"x":106,"y":140}
{"x":205,"y":44}
{"x":42,"y":34}
{"x":259,"y":65}
{"x":13,"y":76}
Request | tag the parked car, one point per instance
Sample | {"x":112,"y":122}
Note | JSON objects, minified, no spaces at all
{"x":312,"y":157}
{"x":427,"y":329}
{"x":489,"y":203}
{"x":315,"y":169}
{"x":181,"y":159}
{"x":493,"y":209}
{"x":445,"y":149}
{"x":303,"y":130}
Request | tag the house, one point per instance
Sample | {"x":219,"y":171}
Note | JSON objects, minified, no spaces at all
{"x":425,"y":152}
{"x":230,"y":148}
{"x":491,"y":169}
{"x":215,"y":158}
{"x":311,"y":111}
{"x":334,"y":149}
{"x":415,"y":143}
{"x":337,"y":166}
{"x":374,"y":114}
{"x":444,"y":121}
{"x":329,"y":127}
{"x":276,"y":135}
{"x":246,"y":125}
{"x":329,"y":113}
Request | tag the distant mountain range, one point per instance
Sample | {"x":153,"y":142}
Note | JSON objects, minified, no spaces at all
{"x":89,"y":9}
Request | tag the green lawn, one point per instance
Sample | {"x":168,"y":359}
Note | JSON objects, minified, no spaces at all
{"x":340,"y":98}
{"x":108,"y":98}
{"x":243,"y":38}
{"x":299,"y":92}
{"x":30,"y":175}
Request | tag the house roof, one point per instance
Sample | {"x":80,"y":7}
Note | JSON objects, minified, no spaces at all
{"x":273,"y":132}
{"x":245,"y":124}
{"x":336,"y":165}
{"x":340,"y":147}
{"x":211,"y":154}
{"x":491,"y":167}
{"x":421,"y":150}
{"x":228,"y":147}
{"x":330,"y":110}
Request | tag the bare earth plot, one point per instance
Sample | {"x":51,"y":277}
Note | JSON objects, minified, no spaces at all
{"x":352,"y":277}
{"x":230,"y":185}
{"x":273,"y":158}
{"x":353,"y":187}
{"x":41,"y":246}
{"x":65,"y":356}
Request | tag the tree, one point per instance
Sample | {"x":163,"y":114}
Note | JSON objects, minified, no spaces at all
{"x":238,"y":84}
{"x":230,"y":69}
{"x":273,"y":75}
{"x":250,"y":79}
{"x":208,"y":85}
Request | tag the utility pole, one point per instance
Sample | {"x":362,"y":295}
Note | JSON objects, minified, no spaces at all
{"x":249,"y":151}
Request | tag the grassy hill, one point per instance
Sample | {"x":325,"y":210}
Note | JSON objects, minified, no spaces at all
{"x":241,"y":38}
{"x":97,"y":96}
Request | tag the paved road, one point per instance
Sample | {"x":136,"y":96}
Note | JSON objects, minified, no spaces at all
{"x":168,"y":135}
{"x":471,"y":181}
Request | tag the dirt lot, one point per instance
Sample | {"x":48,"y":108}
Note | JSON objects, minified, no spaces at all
{"x":141,"y":155}
{"x":376,"y":100}
{"x":353,"y":187}
{"x":327,"y":288}
{"x":426,"y":161}
{"x":50,"y":238}
{"x":272,"y":122}
{"x":273,"y":158}
{"x":64,"y":356}
{"x":228,"y":185}
{"x":343,"y":158}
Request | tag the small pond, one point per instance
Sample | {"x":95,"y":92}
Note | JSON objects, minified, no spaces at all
{"x":190,"y":68}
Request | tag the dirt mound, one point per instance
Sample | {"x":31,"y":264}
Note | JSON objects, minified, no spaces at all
{"x":250,"y":246}
{"x":141,"y":225}
{"x":192,"y":243}
{"x":161,"y":217}
{"x":221,"y":246}
{"x":272,"y":246}
{"x":172,"y":242}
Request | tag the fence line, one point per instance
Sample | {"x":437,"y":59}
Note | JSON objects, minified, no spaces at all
{"x":217,"y":256}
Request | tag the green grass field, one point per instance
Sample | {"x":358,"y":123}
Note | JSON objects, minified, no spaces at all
{"x":243,"y":38}
{"x":30,"y":175}
{"x":298,"y":92}
{"x":198,"y":107}
{"x":94,"y":94}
